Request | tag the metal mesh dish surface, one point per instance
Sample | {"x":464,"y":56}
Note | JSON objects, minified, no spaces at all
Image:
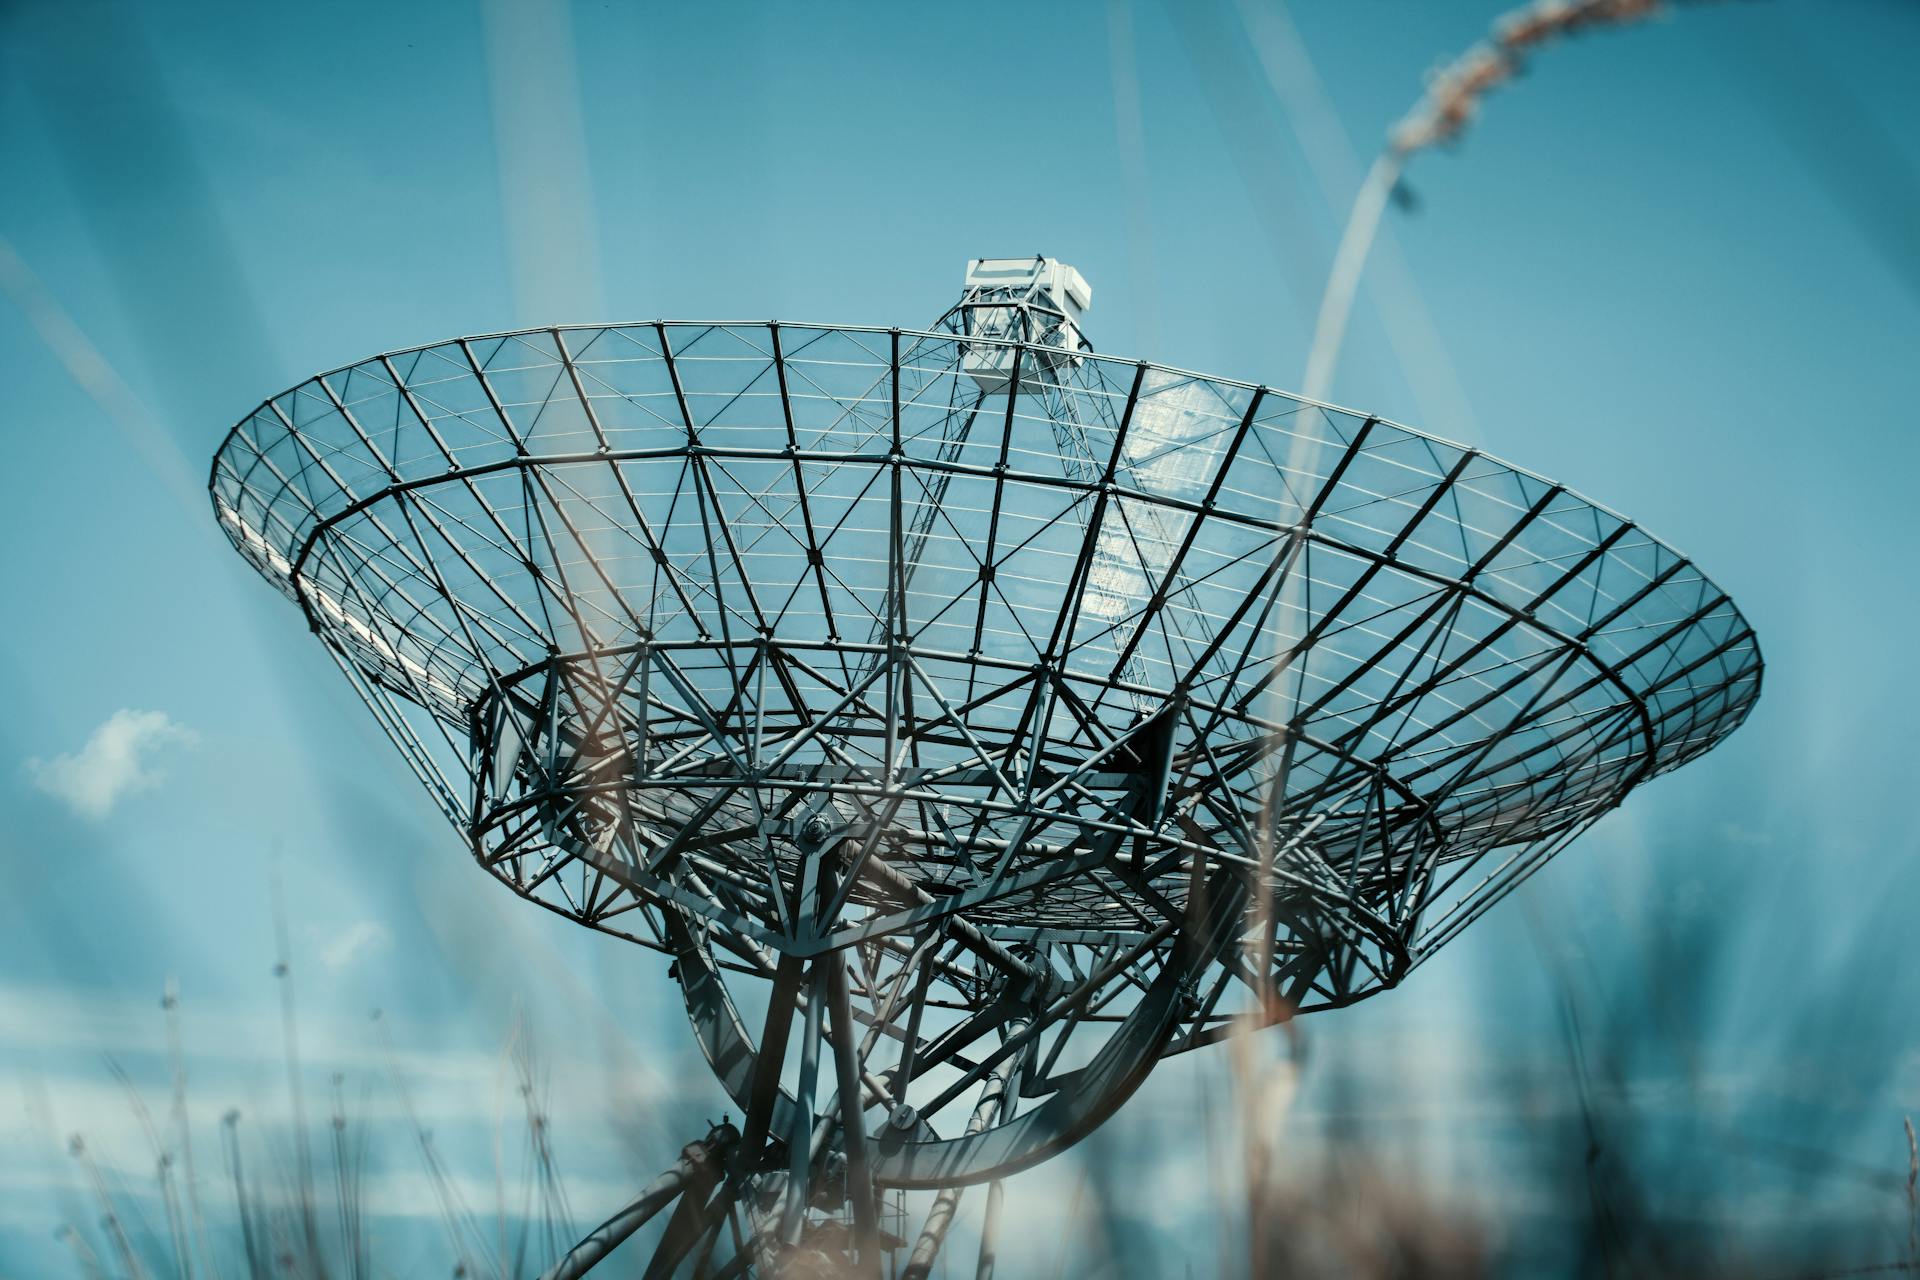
{"x":659,"y":610}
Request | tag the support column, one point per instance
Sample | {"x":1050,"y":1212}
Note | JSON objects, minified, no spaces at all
{"x":990,"y":1231}
{"x":994,"y":1095}
{"x":853,"y":1130}
{"x":793,"y":1212}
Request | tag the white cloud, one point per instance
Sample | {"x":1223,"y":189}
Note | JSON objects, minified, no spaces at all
{"x":115,"y":762}
{"x":363,"y":937}
{"x":1744,"y":837}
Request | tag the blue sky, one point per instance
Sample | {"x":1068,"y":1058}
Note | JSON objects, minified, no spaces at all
{"x":1671,"y":267}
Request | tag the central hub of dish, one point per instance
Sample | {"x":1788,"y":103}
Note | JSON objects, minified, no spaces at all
{"x":851,"y":794}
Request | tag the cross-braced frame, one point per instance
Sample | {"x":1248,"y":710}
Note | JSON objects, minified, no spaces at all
{"x":996,"y":716}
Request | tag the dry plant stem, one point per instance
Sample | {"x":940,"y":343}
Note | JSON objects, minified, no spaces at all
{"x":274,"y":1214}
{"x":499,"y":1144}
{"x":230,"y":1129}
{"x":303,"y":1156}
{"x":84,"y":1254}
{"x":1418,"y":348}
{"x":1349,"y":261}
{"x":556,"y":1213}
{"x":93,"y":374}
{"x":162,"y":1170}
{"x":453,"y":1213}
{"x":176,"y":1058}
{"x":1216,"y":1191}
{"x":1265,"y":1090}
{"x":1913,"y":1196}
{"x":349,"y":1158}
{"x":109,"y":1217}
{"x":1443,"y":113}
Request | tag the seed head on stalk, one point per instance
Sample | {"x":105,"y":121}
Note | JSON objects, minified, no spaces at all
{"x":1441,"y":116}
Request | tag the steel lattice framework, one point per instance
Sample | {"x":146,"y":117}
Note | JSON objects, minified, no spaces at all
{"x":1008,"y":714}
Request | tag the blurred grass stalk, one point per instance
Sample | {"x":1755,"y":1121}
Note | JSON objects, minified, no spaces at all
{"x":1618,"y":1168}
{"x":277,"y":1214}
{"x":1441,"y":116}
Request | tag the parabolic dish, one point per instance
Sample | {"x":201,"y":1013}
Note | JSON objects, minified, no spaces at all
{"x":661,"y":610}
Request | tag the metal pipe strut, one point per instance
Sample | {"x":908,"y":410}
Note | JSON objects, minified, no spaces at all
{"x":799,"y":1141}
{"x":994,"y":1096}
{"x":853,"y":1134}
{"x":990,"y":1231}
{"x":699,"y":1164}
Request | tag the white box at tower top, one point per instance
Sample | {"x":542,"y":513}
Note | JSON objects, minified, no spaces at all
{"x":1051,"y":275}
{"x":1044,"y":283}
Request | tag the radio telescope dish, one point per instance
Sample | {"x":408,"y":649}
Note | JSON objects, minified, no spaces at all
{"x":996,"y":715}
